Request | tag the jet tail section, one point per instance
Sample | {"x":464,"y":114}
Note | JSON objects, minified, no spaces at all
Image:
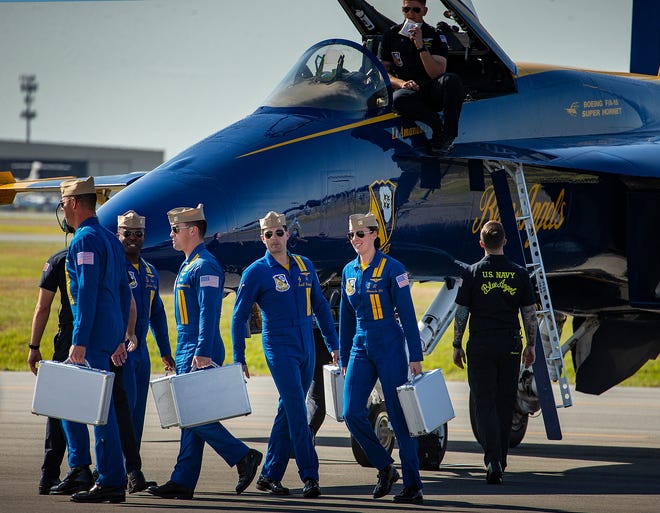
{"x":645,"y":38}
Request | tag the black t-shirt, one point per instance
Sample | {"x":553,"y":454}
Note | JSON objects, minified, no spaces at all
{"x":494,"y":289}
{"x":405,"y":59}
{"x":53,"y":278}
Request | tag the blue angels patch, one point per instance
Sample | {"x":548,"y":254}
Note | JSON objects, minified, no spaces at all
{"x":396,"y":59}
{"x":132,"y":280}
{"x":381,"y":204}
{"x":281,"y":283}
{"x":350,"y":286}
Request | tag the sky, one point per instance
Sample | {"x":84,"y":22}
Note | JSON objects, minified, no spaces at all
{"x":163,"y":74}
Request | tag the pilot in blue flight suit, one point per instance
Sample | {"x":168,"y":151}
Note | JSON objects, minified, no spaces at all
{"x":143,"y":280}
{"x":198,"y":293}
{"x":375,"y":289}
{"x":100,"y":301}
{"x":287,"y":290}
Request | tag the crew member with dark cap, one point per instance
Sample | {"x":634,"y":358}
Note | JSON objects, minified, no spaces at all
{"x":287,"y":290}
{"x":198,"y":293}
{"x":491,"y":294}
{"x":375,"y":292}
{"x":415,"y":57}
{"x":143,"y":280}
{"x":100,"y":301}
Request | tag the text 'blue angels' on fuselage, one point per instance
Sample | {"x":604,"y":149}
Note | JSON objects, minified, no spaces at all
{"x":326,"y":144}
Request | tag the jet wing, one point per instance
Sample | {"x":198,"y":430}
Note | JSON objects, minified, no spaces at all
{"x":626,"y":154}
{"x":105,"y":185}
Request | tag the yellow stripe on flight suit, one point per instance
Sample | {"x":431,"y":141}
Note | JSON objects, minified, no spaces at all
{"x":183,"y":310}
{"x":376,"y":307}
{"x":308,"y":290}
{"x":378,"y":271}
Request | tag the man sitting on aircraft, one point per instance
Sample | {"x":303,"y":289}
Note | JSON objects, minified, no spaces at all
{"x":415,"y":57}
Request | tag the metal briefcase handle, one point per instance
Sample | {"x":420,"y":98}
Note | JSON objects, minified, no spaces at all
{"x":194,"y":367}
{"x":86,"y":364}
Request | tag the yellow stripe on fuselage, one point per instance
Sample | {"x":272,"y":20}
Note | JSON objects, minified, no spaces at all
{"x":343,"y":128}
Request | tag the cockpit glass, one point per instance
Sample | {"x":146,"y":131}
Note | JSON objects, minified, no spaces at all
{"x":335,"y":77}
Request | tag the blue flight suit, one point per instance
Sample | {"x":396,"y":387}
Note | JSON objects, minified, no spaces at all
{"x":143,"y":280}
{"x":287,"y":298}
{"x":198,"y":295}
{"x":371,"y":346}
{"x":100,"y":301}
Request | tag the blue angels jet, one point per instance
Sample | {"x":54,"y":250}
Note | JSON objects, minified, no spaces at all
{"x":326,"y":144}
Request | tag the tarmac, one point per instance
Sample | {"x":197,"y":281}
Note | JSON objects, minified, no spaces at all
{"x":608,"y":461}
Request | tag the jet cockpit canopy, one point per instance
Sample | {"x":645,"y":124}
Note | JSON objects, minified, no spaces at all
{"x":337,"y":75}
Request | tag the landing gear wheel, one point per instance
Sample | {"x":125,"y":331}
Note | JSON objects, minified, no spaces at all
{"x":518,"y":427}
{"x":380,"y":422}
{"x":431,"y":448}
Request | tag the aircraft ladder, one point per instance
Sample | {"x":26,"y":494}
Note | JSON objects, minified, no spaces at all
{"x":555,"y":359}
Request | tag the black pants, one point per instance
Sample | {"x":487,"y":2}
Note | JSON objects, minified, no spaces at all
{"x":126,"y":432}
{"x":55,"y":442}
{"x":442,"y":94}
{"x":316,"y":394}
{"x":493,"y":369}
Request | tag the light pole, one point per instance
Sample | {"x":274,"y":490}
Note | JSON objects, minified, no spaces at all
{"x":29,"y":87}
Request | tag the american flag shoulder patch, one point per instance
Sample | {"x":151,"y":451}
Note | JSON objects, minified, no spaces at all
{"x":402,"y":280}
{"x":85,"y":257}
{"x":209,"y":280}
{"x":46,"y":267}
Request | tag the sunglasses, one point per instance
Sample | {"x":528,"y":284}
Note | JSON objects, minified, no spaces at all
{"x":269,"y":234}
{"x":360,"y":234}
{"x":177,"y":229}
{"x":413,"y":9}
{"x":138,"y":233}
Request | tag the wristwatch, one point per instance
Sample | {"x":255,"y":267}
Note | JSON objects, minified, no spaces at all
{"x":422,"y":49}
{"x":457,"y":345}
{"x":31,"y":346}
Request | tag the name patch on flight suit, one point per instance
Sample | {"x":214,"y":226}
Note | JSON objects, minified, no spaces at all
{"x":350,"y":286}
{"x":281,"y":283}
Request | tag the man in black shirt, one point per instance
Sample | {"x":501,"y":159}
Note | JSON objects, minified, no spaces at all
{"x":491,"y":293}
{"x":52,"y":279}
{"x":415,"y":57}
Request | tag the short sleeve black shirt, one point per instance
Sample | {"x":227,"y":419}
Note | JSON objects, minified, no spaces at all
{"x":494,"y":289}
{"x":53,"y":278}
{"x":405,"y":59}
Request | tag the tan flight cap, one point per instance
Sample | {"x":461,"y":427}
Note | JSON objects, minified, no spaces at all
{"x":272,"y":220}
{"x":186,"y":214}
{"x":78,"y":186}
{"x":131,"y":219}
{"x":358,"y":222}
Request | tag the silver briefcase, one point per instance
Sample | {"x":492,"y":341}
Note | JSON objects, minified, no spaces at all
{"x":425,"y":402}
{"x":333,"y":390}
{"x":72,"y":392}
{"x":202,"y":396}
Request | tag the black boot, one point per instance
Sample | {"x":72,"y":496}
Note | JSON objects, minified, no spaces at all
{"x":77,"y":480}
{"x":247,"y":469}
{"x":98,"y":493}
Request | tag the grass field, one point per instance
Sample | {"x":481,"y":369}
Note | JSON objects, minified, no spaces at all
{"x":21,"y":262}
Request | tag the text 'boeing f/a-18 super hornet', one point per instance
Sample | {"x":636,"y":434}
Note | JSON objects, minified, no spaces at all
{"x":574,"y":151}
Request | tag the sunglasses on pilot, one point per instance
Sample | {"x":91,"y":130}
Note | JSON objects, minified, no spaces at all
{"x":413,"y":9}
{"x":177,"y":228}
{"x":138,"y":233}
{"x":269,"y":234}
{"x":360,"y":234}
